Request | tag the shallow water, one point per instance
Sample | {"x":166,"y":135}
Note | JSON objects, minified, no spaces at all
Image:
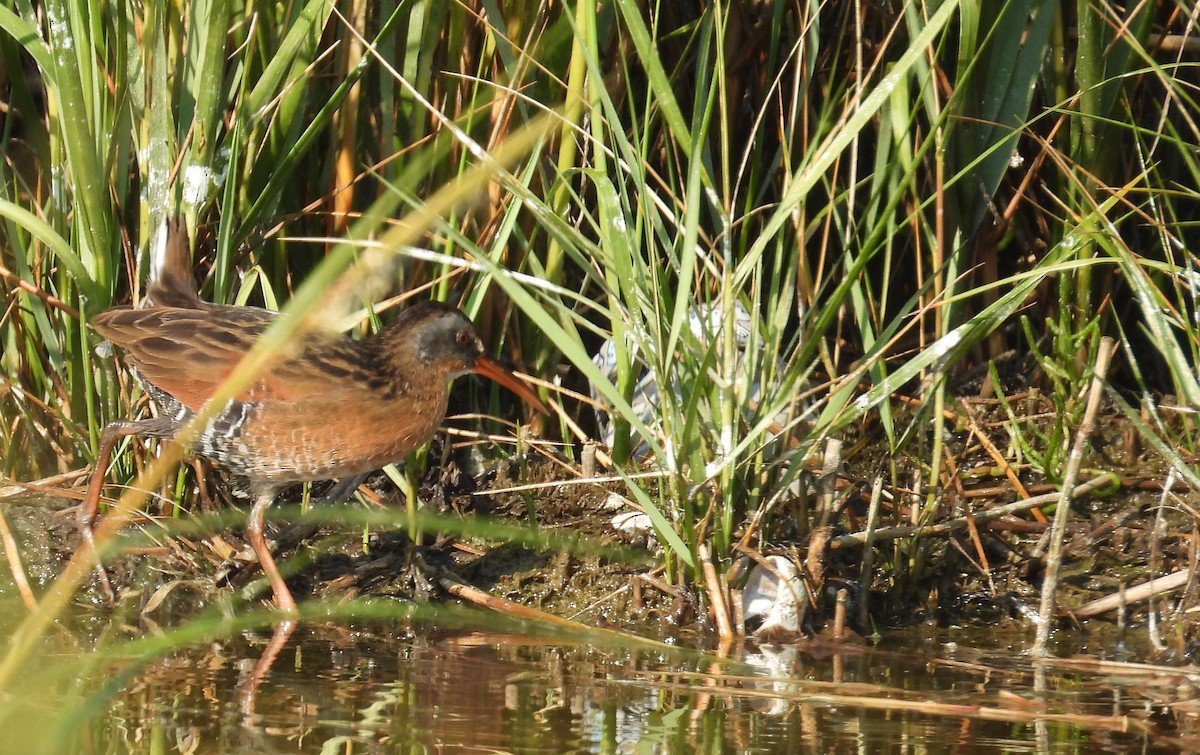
{"x":437,"y":678}
{"x":361,"y":689}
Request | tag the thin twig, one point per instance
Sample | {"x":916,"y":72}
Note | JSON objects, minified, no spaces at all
{"x":997,"y":457}
{"x":461,"y":590}
{"x":716,"y":593}
{"x":868,"y":560}
{"x":1157,"y":534}
{"x":839,"y":615}
{"x":1128,"y":596}
{"x":827,"y":490}
{"x":14,"y":563}
{"x":1058,"y":528}
{"x":945,"y":528}
{"x":53,"y":484}
{"x":35,"y":290}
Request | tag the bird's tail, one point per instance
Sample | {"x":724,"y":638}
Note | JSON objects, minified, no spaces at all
{"x":171,"y":283}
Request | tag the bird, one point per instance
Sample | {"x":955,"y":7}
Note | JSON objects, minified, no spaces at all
{"x":706,"y":321}
{"x":332,"y":407}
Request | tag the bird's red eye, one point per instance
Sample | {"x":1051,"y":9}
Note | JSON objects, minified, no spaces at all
{"x":463,"y":338}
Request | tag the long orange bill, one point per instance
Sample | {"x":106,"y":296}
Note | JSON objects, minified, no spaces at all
{"x":493,"y":370}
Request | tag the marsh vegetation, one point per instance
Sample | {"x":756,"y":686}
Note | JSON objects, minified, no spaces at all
{"x":825,"y":283}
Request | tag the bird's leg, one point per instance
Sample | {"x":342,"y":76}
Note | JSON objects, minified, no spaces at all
{"x":113,"y":432}
{"x":248,"y":696}
{"x":258,"y":541}
{"x":294,"y":535}
{"x":241,"y":566}
{"x":342,"y":490}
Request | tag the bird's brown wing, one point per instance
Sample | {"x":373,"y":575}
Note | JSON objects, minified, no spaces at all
{"x":188,"y":353}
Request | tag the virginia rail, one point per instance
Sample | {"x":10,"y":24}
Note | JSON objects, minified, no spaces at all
{"x":335,"y":407}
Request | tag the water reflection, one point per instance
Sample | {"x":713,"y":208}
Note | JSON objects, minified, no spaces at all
{"x":358,"y":689}
{"x":402,"y":686}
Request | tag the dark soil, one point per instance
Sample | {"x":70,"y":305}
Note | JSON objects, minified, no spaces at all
{"x":593,"y":573}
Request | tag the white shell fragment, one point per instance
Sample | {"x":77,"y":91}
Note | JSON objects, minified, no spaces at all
{"x":633,"y":523}
{"x":772,"y":598}
{"x":615,"y":502}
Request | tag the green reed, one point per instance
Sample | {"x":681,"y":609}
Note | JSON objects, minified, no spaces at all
{"x":883,"y":194}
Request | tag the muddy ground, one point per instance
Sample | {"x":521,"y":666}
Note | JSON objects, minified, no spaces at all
{"x":961,"y":578}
